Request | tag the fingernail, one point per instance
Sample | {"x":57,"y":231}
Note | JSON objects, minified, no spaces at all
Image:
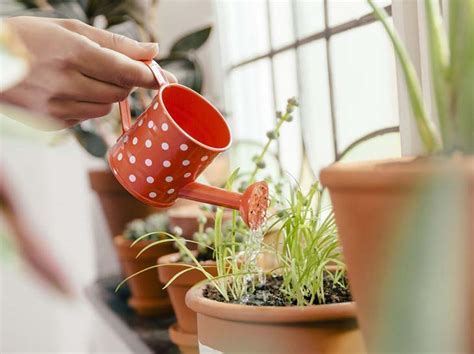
{"x":148,"y":45}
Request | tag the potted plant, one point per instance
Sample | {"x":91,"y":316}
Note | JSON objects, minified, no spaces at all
{"x":174,"y":271}
{"x":177,"y":272}
{"x":148,"y":298}
{"x":370,"y":198}
{"x":300,"y":304}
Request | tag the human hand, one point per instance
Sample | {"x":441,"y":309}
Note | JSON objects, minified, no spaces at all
{"x":77,"y":71}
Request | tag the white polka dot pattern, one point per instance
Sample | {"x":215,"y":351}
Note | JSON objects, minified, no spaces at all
{"x":151,"y":124}
{"x":187,"y":174}
{"x":155,"y":106}
{"x":152,"y":195}
{"x":165,"y":146}
{"x":148,"y":143}
{"x":164,"y":127}
{"x":150,"y":179}
{"x":169,"y":179}
{"x":140,"y":123}
{"x":120,"y":156}
{"x":132,"y":159}
{"x":204,"y":158}
{"x":166,"y":163}
{"x":186,"y":162}
{"x":135,"y":141}
{"x":170,"y":191}
{"x":148,"y":162}
{"x":183,"y":147}
{"x":132,"y":178}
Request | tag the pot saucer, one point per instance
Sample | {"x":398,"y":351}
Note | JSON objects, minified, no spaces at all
{"x":187,"y":342}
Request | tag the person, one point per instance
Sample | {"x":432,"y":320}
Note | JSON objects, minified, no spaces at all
{"x":77,"y":71}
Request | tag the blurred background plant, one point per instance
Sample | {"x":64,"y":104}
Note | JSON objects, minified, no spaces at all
{"x":152,"y":226}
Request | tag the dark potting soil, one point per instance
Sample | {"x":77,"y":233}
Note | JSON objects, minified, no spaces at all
{"x":270,"y":294}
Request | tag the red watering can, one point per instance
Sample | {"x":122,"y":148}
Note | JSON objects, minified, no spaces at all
{"x":159,"y":157}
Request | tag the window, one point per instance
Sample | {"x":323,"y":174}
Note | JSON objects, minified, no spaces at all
{"x":332,"y":55}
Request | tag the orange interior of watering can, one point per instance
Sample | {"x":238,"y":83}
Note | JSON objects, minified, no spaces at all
{"x":196,"y":117}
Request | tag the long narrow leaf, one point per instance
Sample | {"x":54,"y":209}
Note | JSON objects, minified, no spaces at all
{"x":439,"y":55}
{"x":425,"y":126}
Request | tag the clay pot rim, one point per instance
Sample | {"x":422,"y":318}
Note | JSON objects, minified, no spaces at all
{"x":173,"y":258}
{"x":121,"y":240}
{"x":397,"y":173}
{"x":268,"y":314}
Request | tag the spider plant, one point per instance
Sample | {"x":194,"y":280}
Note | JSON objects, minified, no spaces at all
{"x":309,"y":246}
{"x":452,"y":74}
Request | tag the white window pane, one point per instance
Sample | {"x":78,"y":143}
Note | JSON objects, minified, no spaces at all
{"x":365,"y":89}
{"x":341,"y":11}
{"x":309,"y":17}
{"x":314,"y":105}
{"x":251,"y":101}
{"x":381,"y":147}
{"x":281,"y":22}
{"x":244,"y":29}
{"x":286,"y":86}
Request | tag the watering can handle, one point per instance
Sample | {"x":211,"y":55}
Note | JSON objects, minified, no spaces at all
{"x":124,"y":106}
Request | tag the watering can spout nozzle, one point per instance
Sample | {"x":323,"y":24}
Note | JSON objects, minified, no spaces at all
{"x":254,"y":204}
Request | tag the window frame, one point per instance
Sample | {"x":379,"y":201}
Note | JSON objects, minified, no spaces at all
{"x":408,"y":19}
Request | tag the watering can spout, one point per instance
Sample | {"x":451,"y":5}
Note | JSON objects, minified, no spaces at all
{"x":252,"y":204}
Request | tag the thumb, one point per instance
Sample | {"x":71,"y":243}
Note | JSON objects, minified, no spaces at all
{"x":129,"y":47}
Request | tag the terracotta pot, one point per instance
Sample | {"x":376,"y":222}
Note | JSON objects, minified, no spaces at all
{"x":118,"y":205}
{"x":369,"y":201}
{"x":232,"y":328}
{"x":184,"y":332}
{"x":148,"y":298}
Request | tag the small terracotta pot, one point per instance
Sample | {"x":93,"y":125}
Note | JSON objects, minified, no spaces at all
{"x":148,"y":298}
{"x":118,"y":205}
{"x":369,"y":201}
{"x":184,"y":332}
{"x":232,"y":328}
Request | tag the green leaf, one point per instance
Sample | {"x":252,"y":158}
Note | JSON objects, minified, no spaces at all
{"x":439,"y":56}
{"x":192,"y":41}
{"x":425,"y":126}
{"x":461,"y":41}
{"x":94,"y":144}
{"x":422,"y":300}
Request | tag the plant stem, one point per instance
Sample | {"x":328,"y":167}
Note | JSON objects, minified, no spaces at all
{"x":265,"y":148}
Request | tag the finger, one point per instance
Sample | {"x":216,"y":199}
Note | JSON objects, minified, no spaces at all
{"x":109,"y":66}
{"x":69,"y":110}
{"x":86,"y":89}
{"x":170,"y":76}
{"x":129,"y":47}
{"x":72,"y":85}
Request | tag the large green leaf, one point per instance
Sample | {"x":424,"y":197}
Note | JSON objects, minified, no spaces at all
{"x":94,"y":144}
{"x":426,"y":129}
{"x":191,"y":41}
{"x":423,"y":295}
{"x":461,"y":42}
